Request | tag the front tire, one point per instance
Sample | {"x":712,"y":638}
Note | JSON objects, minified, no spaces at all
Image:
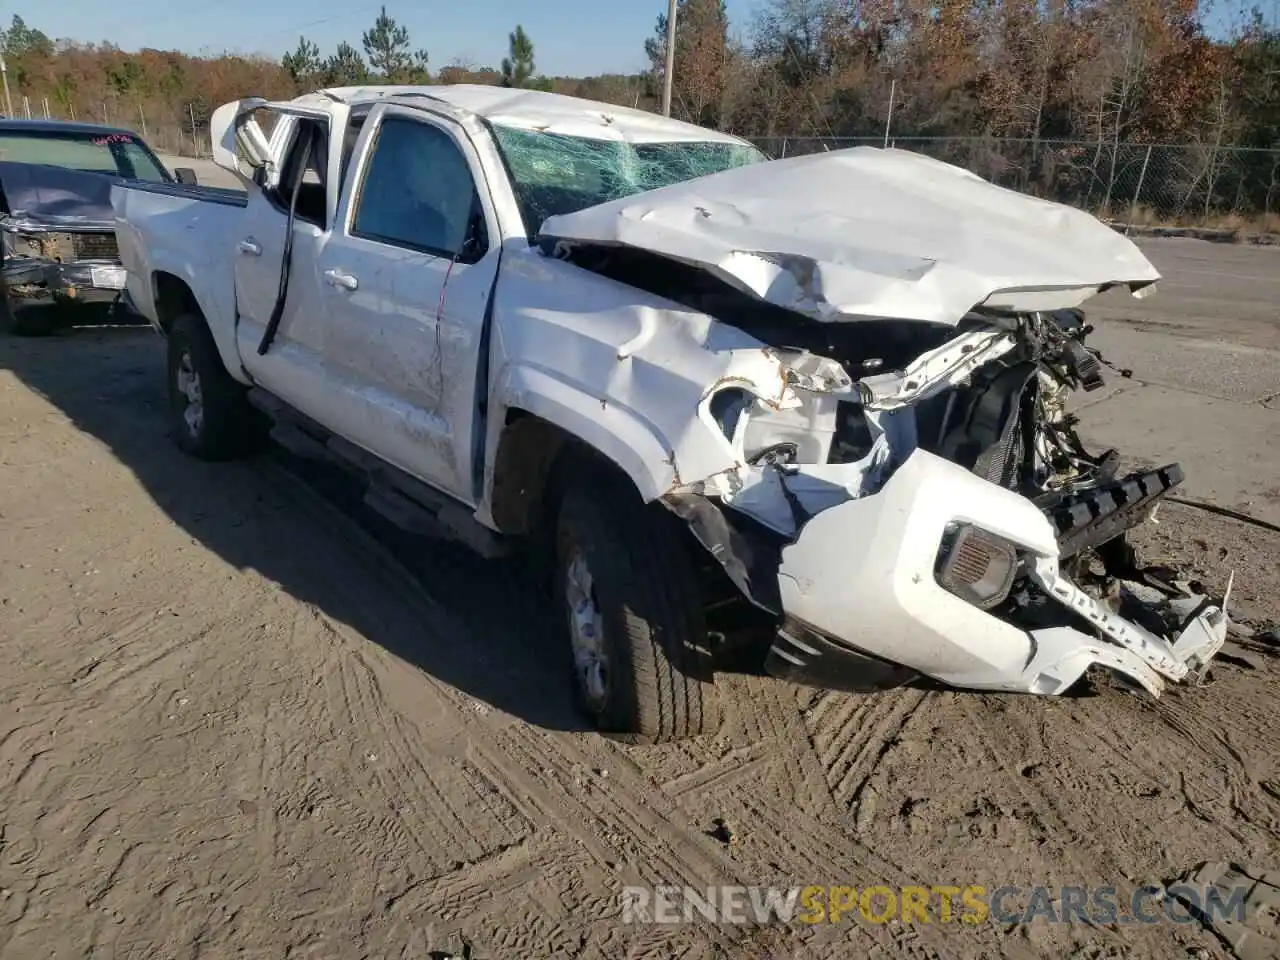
{"x":636,"y":622}
{"x":210,"y":417}
{"x":39,"y":322}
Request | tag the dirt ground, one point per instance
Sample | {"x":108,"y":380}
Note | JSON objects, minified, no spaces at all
{"x":237,"y":721}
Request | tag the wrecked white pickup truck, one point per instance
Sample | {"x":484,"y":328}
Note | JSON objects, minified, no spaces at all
{"x":806,"y":415}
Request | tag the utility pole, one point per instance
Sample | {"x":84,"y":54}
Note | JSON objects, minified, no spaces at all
{"x":888,"y":123}
{"x":669,"y":73}
{"x":8,"y":101}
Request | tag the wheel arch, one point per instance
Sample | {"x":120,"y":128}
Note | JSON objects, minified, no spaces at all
{"x":551,"y":428}
{"x":174,"y":296}
{"x":535,"y":459}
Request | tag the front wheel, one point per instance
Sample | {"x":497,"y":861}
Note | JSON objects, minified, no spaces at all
{"x":38,"y":320}
{"x":635,"y":618}
{"x":210,"y":417}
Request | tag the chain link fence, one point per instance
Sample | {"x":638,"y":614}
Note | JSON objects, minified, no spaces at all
{"x":181,"y":130}
{"x":1140,"y":184}
{"x":1134,"y":183}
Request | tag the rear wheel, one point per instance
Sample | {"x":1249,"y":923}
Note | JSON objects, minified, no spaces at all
{"x":634,"y":614}
{"x":210,"y":417}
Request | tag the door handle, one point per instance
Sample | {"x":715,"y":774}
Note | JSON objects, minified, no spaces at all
{"x":250,"y":247}
{"x":336,"y":278}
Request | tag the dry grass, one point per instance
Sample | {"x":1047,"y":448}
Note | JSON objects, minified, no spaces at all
{"x":1236,"y":224}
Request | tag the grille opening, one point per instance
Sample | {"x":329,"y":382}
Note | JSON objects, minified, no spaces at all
{"x":95,"y":246}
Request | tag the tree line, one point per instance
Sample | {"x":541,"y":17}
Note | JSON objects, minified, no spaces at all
{"x":1104,"y":75}
{"x":387,"y":59}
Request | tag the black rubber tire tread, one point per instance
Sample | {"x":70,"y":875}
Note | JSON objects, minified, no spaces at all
{"x":27,"y":323}
{"x":661,"y":679}
{"x":232,"y":427}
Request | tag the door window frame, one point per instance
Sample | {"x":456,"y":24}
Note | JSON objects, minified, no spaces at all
{"x":364,"y":152}
{"x":278,"y":194}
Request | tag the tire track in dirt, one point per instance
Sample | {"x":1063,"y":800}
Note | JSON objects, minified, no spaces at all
{"x":1245,"y":770}
{"x":994,"y":731}
{"x":853,"y":733}
{"x":276,"y":834}
{"x":432,"y":818}
{"x":267,"y":828}
{"x":796,"y":780}
{"x":1231,"y":776}
{"x":738,"y":765}
{"x":526,"y":900}
{"x":538,"y":772}
{"x":643,"y":841}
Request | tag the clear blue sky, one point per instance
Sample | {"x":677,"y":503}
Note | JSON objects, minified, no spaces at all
{"x":576,"y":37}
{"x":571,"y":37}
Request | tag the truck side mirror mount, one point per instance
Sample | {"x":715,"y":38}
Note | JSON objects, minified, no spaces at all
{"x":476,"y":240}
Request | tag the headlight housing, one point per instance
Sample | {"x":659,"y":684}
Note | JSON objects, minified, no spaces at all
{"x":976,"y":566}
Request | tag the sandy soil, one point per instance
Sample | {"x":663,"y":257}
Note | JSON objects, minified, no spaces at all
{"x":235,"y":721}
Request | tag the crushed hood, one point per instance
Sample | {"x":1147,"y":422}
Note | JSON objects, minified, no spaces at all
{"x":865,"y":232}
{"x":57,"y":197}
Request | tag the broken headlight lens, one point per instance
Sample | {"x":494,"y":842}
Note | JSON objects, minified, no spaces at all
{"x":976,"y":566}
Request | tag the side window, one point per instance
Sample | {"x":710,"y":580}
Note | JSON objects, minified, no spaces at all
{"x":418,"y":193}
{"x":310,"y":143}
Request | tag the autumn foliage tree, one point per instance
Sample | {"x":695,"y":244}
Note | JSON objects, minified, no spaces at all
{"x":1055,"y":96}
{"x":702,"y":60}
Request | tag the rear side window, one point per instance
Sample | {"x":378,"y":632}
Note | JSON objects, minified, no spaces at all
{"x":417,"y":191}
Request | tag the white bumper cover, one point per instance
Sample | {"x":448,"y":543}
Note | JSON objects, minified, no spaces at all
{"x":894,"y":609}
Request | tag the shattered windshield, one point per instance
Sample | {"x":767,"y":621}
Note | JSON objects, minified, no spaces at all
{"x":554,"y":174}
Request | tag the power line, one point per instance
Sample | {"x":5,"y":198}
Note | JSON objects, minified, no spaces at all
{"x":211,"y":7}
{"x":337,"y":16}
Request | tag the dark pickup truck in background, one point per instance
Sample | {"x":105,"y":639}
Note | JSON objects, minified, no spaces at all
{"x":57,"y":235}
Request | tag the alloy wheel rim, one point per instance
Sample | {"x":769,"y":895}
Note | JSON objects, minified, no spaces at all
{"x":188,"y":384}
{"x":586,"y":631}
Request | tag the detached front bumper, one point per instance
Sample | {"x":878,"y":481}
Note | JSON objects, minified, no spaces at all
{"x":32,"y":280}
{"x":859,"y":586}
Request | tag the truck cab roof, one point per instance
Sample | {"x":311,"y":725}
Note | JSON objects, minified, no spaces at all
{"x":531,"y":110}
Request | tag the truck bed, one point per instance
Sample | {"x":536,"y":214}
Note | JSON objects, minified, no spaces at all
{"x":172,"y":232}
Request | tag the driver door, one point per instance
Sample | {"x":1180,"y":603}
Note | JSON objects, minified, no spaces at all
{"x":300,"y":158}
{"x":406,"y":278}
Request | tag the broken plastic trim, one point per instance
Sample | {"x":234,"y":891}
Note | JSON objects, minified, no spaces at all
{"x":946,"y":366}
{"x":749,"y":559}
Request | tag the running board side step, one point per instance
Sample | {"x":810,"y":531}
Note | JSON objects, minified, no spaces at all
{"x":399,"y":498}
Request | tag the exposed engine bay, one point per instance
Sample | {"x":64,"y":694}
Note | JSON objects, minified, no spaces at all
{"x":53,"y":259}
{"x":58,"y":238}
{"x":989,"y":396}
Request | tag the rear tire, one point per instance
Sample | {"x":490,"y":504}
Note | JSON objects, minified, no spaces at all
{"x":210,"y":416}
{"x":624,"y":575}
